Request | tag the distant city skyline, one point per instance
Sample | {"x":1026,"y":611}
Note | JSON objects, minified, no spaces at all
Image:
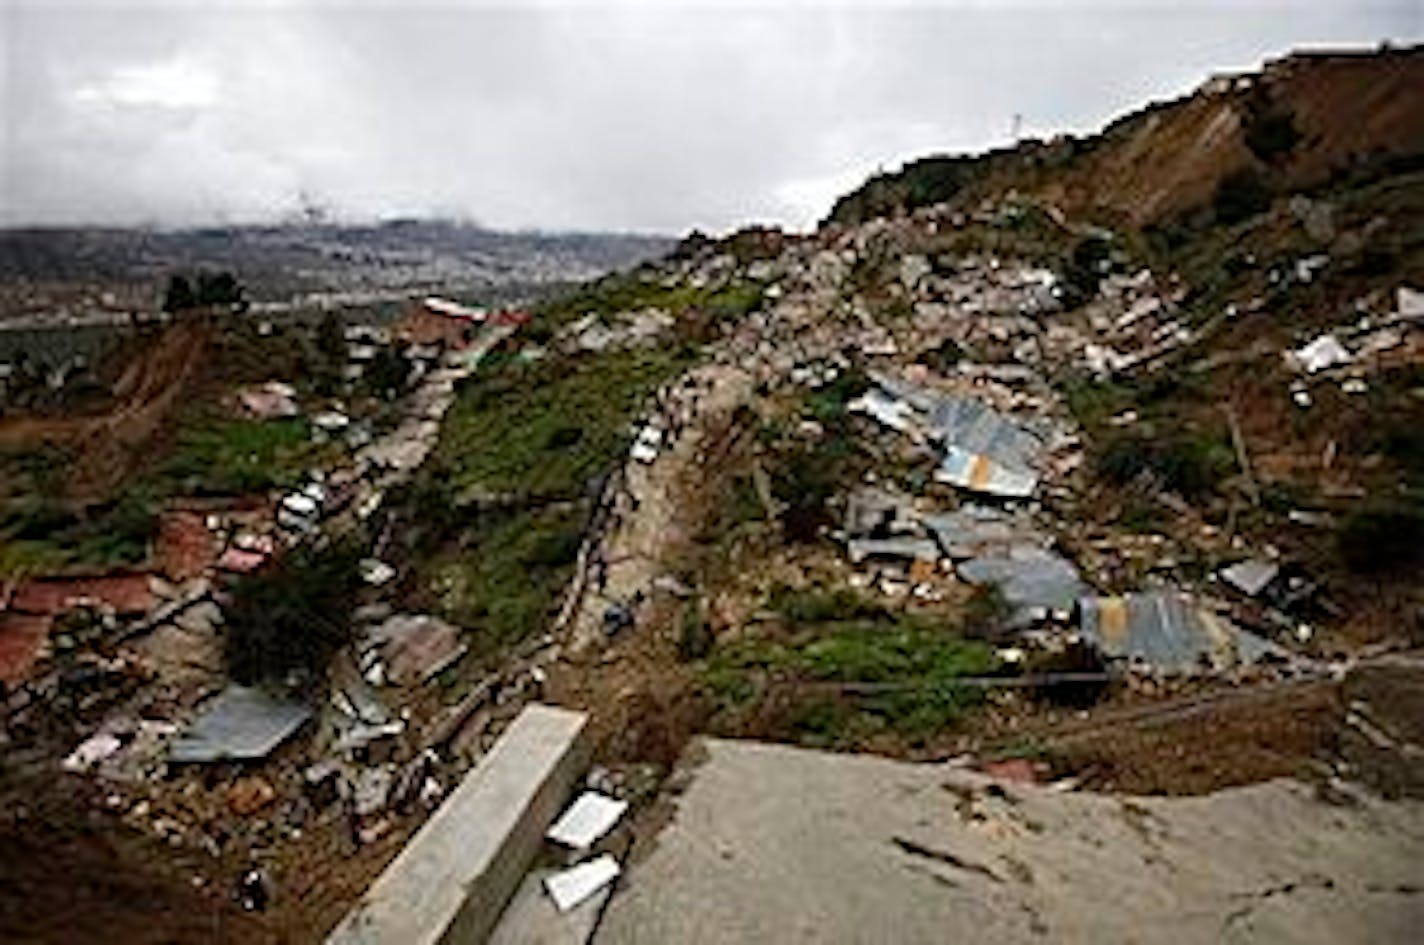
{"x":629,"y":117}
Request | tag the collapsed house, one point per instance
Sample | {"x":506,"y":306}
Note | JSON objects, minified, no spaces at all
{"x":1168,"y":632}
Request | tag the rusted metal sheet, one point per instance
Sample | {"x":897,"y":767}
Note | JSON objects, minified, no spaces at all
{"x":980,"y":473}
{"x":1169,"y":632}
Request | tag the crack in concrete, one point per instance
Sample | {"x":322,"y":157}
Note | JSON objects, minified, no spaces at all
{"x":1270,"y":892}
{"x":944,"y":856}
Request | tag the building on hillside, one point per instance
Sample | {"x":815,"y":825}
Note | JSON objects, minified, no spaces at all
{"x":437,"y":321}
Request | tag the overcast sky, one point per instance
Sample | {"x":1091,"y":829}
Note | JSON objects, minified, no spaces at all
{"x":645,"y":117}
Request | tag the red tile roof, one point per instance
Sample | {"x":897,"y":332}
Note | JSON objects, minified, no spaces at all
{"x":185,"y":548}
{"x":22,"y":636}
{"x":126,"y":593}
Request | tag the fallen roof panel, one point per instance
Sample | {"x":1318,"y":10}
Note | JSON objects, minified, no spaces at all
{"x":980,"y":473}
{"x":240,"y":723}
{"x":975,"y":530}
{"x":1251,"y":576}
{"x":1030,"y":578}
{"x":1168,"y":631}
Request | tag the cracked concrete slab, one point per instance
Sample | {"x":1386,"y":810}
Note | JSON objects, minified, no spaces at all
{"x":773,"y":843}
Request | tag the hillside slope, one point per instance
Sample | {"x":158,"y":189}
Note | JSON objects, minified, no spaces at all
{"x":1301,"y":122}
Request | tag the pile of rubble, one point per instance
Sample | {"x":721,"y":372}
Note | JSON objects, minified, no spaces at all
{"x":141,"y":671}
{"x":1350,"y":354}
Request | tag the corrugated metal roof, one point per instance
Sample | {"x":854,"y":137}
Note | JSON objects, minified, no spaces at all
{"x":973,"y":426}
{"x":975,"y":530}
{"x":240,"y":723}
{"x":984,"y":450}
{"x":1032,"y":580}
{"x":1168,"y":631}
{"x":980,"y":473}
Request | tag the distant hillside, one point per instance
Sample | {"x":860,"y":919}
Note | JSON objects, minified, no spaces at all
{"x":43,"y":270}
{"x":1304,"y":121}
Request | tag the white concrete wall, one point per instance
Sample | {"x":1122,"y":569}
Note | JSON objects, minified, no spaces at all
{"x":450,"y":883}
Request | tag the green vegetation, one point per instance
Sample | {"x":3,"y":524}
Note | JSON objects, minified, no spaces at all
{"x":1169,"y":440}
{"x":805,"y":478}
{"x":537,"y":436}
{"x":850,"y":669}
{"x":41,"y":534}
{"x":694,"y":640}
{"x":1143,"y":517}
{"x":643,"y":288}
{"x":828,"y":404}
{"x":545,"y":429}
{"x":986,"y":611}
{"x":816,"y":605}
{"x":1087,"y":264}
{"x":920,"y":183}
{"x":1190,"y":464}
{"x":1093,"y":403}
{"x":289,"y":618}
{"x":220,"y":456}
{"x":506,"y":570}
{"x":945,"y":358}
{"x":1270,"y":130}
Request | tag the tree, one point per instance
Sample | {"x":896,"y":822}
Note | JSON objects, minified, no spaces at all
{"x":178,"y":296}
{"x":293,"y":615}
{"x":219,"y":288}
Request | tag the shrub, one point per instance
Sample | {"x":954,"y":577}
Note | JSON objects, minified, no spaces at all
{"x":694,"y":640}
{"x":986,"y":611}
{"x":815,"y":605}
{"x":803,"y":483}
{"x":1084,"y":270}
{"x":829,"y":403}
{"x":1240,"y":196}
{"x":238,"y":457}
{"x":1188,"y":465}
{"x":291,"y":617}
{"x":1271,"y":133}
{"x":1383,"y":536}
{"x":944,"y":358}
{"x":211,"y":288}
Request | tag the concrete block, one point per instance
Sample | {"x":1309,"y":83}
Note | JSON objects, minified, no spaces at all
{"x":450,"y":883}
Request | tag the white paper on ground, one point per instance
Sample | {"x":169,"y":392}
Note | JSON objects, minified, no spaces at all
{"x":572,"y":886}
{"x":586,"y":820}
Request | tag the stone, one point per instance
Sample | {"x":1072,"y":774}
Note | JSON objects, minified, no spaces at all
{"x":249,"y":795}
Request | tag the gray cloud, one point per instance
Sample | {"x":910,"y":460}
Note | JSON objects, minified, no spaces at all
{"x":637,"y":117}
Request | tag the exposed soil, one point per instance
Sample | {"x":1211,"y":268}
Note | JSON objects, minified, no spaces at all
{"x":72,"y":872}
{"x":1203,"y":745}
{"x":106,"y":446}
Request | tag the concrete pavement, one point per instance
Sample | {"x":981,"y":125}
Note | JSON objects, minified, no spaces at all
{"x":777,"y":844}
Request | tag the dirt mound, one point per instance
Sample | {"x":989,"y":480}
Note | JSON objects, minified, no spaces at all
{"x":73,"y":874}
{"x":151,"y":374}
